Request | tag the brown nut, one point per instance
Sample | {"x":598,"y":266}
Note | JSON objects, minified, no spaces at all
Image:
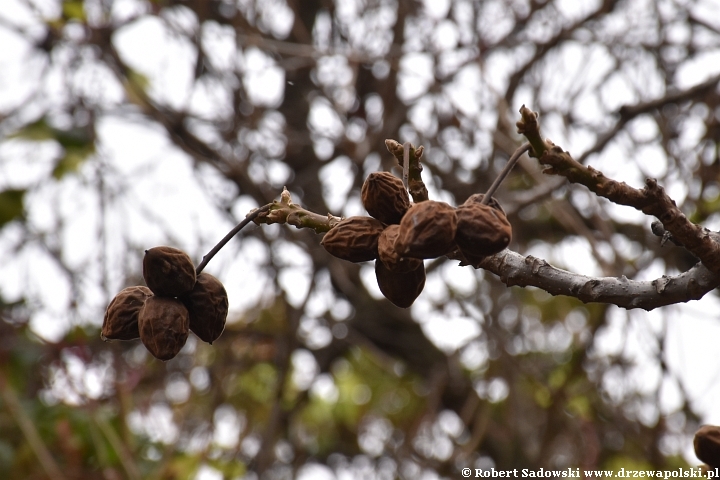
{"x":207,"y":304}
{"x":389,"y":256}
{"x":121,"y":316}
{"x":354,"y":239}
{"x":384,"y":197}
{"x":401,"y":288}
{"x":164,"y":326}
{"x":168,"y":271}
{"x":707,"y":445}
{"x":427,"y":230}
{"x":481,"y":230}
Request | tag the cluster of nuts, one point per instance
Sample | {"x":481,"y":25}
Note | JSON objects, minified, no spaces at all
{"x":399,"y":235}
{"x":175,"y":302}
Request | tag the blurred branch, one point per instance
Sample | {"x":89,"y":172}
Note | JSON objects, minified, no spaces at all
{"x":174,"y":122}
{"x":286,"y":342}
{"x":309,"y":51}
{"x":28,"y":429}
{"x":542,"y":49}
{"x":693,"y":18}
{"x":121,"y":450}
{"x":522,"y":199}
{"x":630,"y":112}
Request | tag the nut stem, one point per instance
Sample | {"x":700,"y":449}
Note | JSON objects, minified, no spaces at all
{"x":249,"y":218}
{"x":406,"y":164}
{"x":505,"y":171}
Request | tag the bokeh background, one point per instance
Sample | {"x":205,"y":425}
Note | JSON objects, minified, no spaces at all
{"x":126,"y":124}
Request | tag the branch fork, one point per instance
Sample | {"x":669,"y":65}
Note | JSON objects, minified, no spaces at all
{"x":651,"y":200}
{"x":285,"y":211}
{"x":515,"y":269}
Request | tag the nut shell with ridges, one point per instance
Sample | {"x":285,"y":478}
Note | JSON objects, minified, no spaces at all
{"x":384,"y":197}
{"x":427,"y":230}
{"x":401,"y":288}
{"x":168,"y":271}
{"x":121,"y":316}
{"x":164,"y":325}
{"x":707,"y":445}
{"x":207,"y":304}
{"x":481,"y":230}
{"x":354,"y":239}
{"x":387,"y":253}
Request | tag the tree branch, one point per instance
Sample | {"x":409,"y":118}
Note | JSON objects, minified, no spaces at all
{"x":651,"y":200}
{"x":249,"y":218}
{"x":517,"y":270}
{"x":530,"y":127}
{"x":285,"y":211}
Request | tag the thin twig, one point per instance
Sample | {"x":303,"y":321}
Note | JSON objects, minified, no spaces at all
{"x":406,"y":163}
{"x":406,"y":154}
{"x":505,"y":171}
{"x":249,"y":218}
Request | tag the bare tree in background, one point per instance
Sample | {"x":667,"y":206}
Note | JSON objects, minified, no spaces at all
{"x":317,"y":372}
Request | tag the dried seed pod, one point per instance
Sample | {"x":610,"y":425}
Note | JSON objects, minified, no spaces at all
{"x":389,"y":256}
{"x":478,"y":198}
{"x":707,"y":445}
{"x":481,"y":230}
{"x":354,"y":239}
{"x":168,"y":271}
{"x":427,"y":230}
{"x":401,"y":288}
{"x":121,"y":316}
{"x":207,"y":304}
{"x":384,"y":197}
{"x":164,"y":325}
